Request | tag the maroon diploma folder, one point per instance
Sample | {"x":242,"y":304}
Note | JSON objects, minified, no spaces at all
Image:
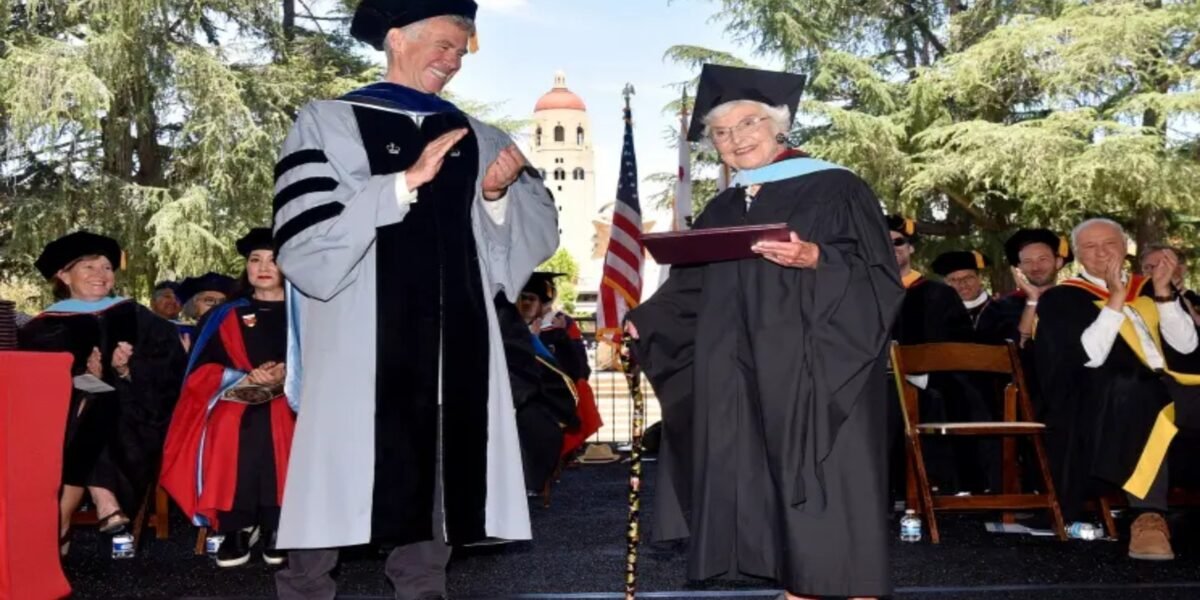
{"x":711,"y":245}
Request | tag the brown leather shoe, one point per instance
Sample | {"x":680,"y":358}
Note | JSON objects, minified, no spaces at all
{"x":1150,"y":539}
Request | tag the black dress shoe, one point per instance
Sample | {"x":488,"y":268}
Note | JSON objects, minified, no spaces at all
{"x":270,"y":554}
{"x":235,"y":550}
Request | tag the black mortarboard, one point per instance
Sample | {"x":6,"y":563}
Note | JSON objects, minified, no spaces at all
{"x":903,"y":226}
{"x":720,"y":84}
{"x":542,"y":284}
{"x":167,"y":285}
{"x":72,"y":247}
{"x":208,"y":282}
{"x":959,"y":260}
{"x":1024,"y":237}
{"x":374,"y":18}
{"x":258,"y":238}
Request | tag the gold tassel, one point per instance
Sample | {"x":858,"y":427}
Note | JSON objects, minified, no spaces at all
{"x":910,"y":226}
{"x":473,"y":43}
{"x":1064,"y":248}
{"x":978,"y":260}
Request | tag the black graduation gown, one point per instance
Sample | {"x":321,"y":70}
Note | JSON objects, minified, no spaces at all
{"x":542,"y":397}
{"x":1097,"y":419}
{"x":116,"y":442}
{"x":932,"y":313}
{"x":770,"y":381}
{"x":997,"y":320}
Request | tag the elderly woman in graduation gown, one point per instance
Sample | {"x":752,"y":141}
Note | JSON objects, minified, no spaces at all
{"x":119,"y":414}
{"x":771,"y":370}
{"x":226,"y":453}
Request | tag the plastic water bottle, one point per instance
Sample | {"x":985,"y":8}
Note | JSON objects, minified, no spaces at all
{"x":122,"y":544}
{"x":1084,"y":531}
{"x":910,"y":526}
{"x":212,"y":544}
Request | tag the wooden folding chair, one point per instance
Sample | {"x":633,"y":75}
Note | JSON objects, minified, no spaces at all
{"x":959,"y":357}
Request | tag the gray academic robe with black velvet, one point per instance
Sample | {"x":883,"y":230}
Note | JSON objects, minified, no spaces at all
{"x":346,"y":246}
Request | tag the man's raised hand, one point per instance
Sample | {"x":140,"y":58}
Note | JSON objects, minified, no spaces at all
{"x":502,"y":172}
{"x":430,"y":162}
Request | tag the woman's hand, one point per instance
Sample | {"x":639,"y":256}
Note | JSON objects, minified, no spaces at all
{"x":94,"y":367}
{"x":795,"y":253}
{"x":267,"y":374}
{"x":120,"y":359}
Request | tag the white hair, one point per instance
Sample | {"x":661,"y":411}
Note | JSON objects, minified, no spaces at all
{"x":413,"y":30}
{"x":780,"y":116}
{"x":1096,"y":221}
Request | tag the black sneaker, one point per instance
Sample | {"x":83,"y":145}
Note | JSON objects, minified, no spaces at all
{"x":270,"y":554}
{"x":235,"y":550}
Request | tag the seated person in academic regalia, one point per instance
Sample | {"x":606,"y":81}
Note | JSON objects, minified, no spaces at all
{"x":543,"y":395}
{"x":562,"y":337}
{"x":165,"y":303}
{"x":1107,"y":345}
{"x":1035,"y":256}
{"x":931,"y":312}
{"x":961,"y":270}
{"x":1150,"y":256}
{"x":200,"y":294}
{"x":226,"y":453}
{"x":165,"y":300}
{"x":992,"y":321}
{"x":133,"y":362}
{"x":1185,"y":469}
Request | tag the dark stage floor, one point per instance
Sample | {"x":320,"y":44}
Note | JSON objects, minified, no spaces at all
{"x":580,"y":544}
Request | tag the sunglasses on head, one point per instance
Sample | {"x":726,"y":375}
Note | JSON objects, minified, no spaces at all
{"x":900,"y":241}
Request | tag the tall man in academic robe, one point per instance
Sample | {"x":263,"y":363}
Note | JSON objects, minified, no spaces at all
{"x":1106,"y":344}
{"x":400,"y":220}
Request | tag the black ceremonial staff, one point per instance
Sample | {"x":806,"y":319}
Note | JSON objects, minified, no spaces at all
{"x":633,"y":376}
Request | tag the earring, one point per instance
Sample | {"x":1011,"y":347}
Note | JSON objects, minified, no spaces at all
{"x":782,"y":139}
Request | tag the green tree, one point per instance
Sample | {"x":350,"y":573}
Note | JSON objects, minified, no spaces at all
{"x":562,"y":262}
{"x":981,"y":117}
{"x":157,"y":122}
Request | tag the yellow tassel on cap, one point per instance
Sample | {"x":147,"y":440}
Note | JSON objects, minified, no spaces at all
{"x":1064,"y":248}
{"x":473,"y":43}
{"x":910,"y":227}
{"x":978,"y":260}
{"x":124,"y":261}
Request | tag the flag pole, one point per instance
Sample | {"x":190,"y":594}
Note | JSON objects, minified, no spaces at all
{"x":633,"y":377}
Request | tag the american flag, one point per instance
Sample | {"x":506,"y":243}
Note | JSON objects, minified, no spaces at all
{"x":621,"y":287}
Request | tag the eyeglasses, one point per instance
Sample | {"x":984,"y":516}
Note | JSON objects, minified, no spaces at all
{"x":721,"y":135}
{"x":900,"y":241}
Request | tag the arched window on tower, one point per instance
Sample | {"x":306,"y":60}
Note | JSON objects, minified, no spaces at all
{"x":537,"y":136}
{"x":579,"y":135}
{"x":560,"y":133}
{"x":577,"y":174}
{"x":560,"y":174}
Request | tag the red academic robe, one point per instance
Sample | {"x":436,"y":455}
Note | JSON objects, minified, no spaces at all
{"x":201,"y":454}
